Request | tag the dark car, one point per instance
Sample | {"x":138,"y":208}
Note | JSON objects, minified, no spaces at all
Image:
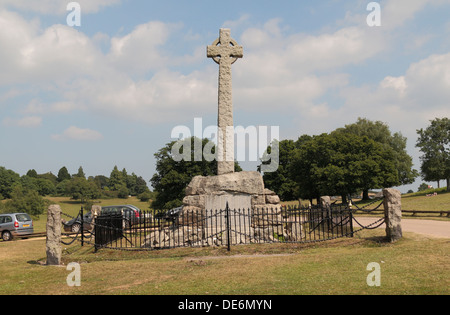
{"x":132,"y":215}
{"x":74,"y":225}
{"x":169,"y":215}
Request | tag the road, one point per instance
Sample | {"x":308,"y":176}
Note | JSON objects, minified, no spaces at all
{"x":431,"y":228}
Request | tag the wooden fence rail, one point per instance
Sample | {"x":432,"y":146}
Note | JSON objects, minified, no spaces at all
{"x":413,"y":212}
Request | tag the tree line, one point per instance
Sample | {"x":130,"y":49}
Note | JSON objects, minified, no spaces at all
{"x":356,"y":158}
{"x":25,"y":193}
{"x":353,"y":159}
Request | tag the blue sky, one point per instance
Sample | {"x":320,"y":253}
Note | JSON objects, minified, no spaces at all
{"x":110,"y":91}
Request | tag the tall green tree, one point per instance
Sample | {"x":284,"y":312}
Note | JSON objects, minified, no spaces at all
{"x":342,"y":164}
{"x":63,"y":174}
{"x":281,"y":181}
{"x":8,"y":179}
{"x":117,"y":180}
{"x":380,"y":132}
{"x":81,"y":188}
{"x":80,"y":173}
{"x":32,"y":173}
{"x":434,"y":143}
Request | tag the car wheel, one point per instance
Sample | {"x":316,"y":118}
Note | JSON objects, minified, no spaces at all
{"x":6,"y":236}
{"x":76,"y":228}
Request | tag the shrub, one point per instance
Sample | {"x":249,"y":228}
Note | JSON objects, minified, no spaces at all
{"x":123,"y":192}
{"x":145,"y":196}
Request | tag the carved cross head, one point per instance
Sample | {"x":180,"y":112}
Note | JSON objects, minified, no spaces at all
{"x":225,"y":49}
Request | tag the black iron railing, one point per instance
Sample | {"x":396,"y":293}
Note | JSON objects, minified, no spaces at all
{"x":227,"y":227}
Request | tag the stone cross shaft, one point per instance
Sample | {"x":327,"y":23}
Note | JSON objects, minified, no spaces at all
{"x":225,"y":51}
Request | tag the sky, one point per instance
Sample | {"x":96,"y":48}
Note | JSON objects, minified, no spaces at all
{"x":110,"y":91}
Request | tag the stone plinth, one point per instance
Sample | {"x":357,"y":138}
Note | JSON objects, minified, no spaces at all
{"x":232,"y":186}
{"x":242,"y":190}
{"x":255,"y":212}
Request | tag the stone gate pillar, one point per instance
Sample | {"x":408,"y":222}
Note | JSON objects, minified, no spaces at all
{"x":53,"y":243}
{"x":393,"y":214}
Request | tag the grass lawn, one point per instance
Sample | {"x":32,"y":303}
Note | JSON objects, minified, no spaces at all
{"x":441,"y":202}
{"x":414,"y":265}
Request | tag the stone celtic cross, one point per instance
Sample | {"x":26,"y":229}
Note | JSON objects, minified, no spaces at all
{"x":225,"y":51}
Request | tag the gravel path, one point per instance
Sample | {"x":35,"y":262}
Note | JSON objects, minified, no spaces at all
{"x":426,"y":227}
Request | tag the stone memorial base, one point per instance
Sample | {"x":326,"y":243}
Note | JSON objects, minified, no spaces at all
{"x":242,"y":190}
{"x":252,"y":209}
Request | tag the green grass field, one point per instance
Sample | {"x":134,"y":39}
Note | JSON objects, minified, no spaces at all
{"x":414,"y":265}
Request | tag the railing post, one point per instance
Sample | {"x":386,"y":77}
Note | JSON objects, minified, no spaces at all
{"x":351,"y":218}
{"x":227,"y":210}
{"x":82,"y":226}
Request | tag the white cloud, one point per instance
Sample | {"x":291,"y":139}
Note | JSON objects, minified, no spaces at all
{"x":132,"y":80}
{"x":79,"y":134}
{"x":37,"y":107}
{"x":56,"y":54}
{"x":26,"y":122}
{"x":56,"y":7}
{"x":405,"y":102}
{"x":166,"y":97}
{"x":235,"y":24}
{"x":140,"y":50}
{"x":293,"y":72}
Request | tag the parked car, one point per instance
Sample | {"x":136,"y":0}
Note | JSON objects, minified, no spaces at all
{"x":74,"y":225}
{"x":169,"y":215}
{"x":15,"y":224}
{"x":132,"y":215}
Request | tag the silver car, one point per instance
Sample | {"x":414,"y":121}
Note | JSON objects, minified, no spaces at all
{"x":15,"y":224}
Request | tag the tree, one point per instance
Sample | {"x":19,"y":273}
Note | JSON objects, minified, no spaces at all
{"x":342,"y":164}
{"x":116,"y":179}
{"x":28,"y":201}
{"x":434,"y":143}
{"x":81,"y":188}
{"x":80,"y":173}
{"x":44,"y":186}
{"x":8,"y":179}
{"x":101,"y":181}
{"x":63,"y":174}
{"x":423,"y":187}
{"x":141,"y":186}
{"x":281,"y":181}
{"x":379,"y":132}
{"x":123,"y":192}
{"x":32,"y":173}
{"x":173,"y":177}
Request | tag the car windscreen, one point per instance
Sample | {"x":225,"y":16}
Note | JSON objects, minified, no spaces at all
{"x":23,"y":217}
